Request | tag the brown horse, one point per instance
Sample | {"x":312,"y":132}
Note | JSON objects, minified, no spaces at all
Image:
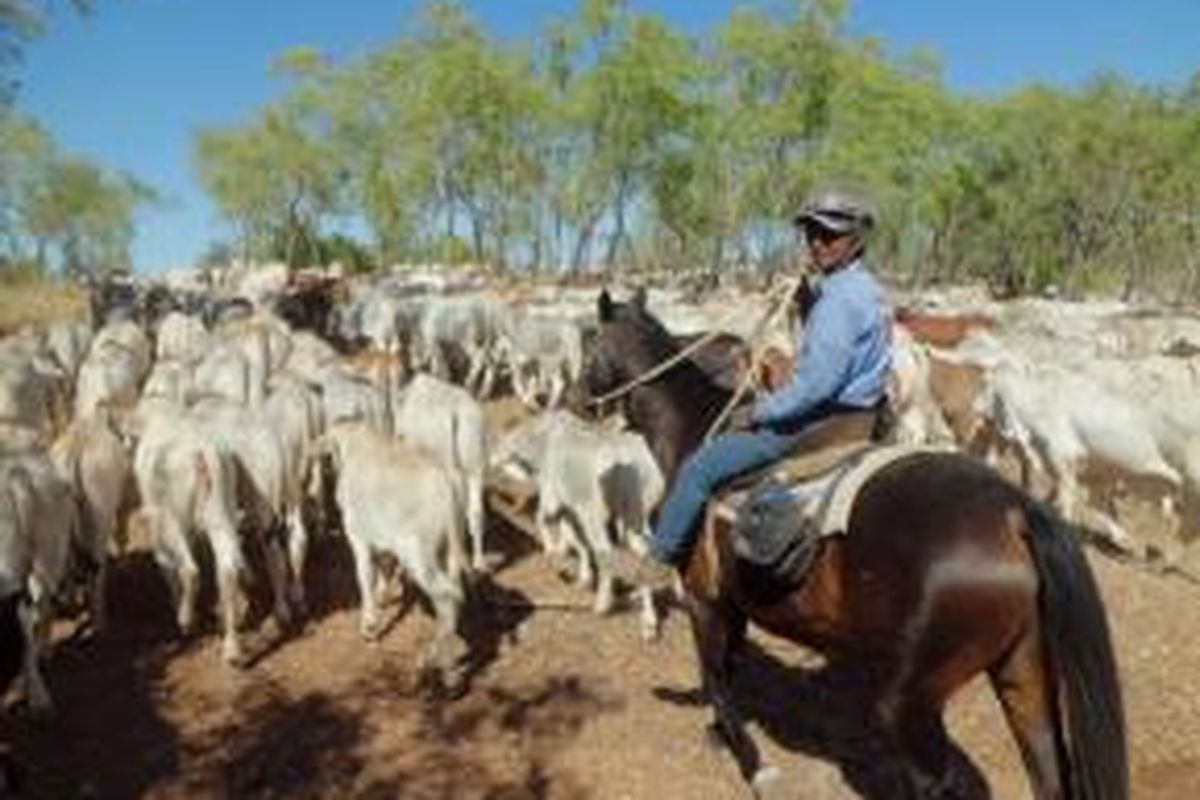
{"x":946,"y":571}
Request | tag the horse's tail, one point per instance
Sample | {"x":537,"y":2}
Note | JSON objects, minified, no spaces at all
{"x":1090,"y":717}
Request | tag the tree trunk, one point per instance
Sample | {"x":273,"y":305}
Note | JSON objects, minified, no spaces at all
{"x":619,"y":231}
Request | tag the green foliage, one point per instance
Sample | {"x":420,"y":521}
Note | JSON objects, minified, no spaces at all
{"x":342,"y":249}
{"x":615,"y":138}
{"x":58,"y":210}
{"x":276,"y":180}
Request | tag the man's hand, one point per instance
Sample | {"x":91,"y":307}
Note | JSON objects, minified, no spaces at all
{"x":741,"y":418}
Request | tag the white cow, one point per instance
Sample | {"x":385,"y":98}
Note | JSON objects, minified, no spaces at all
{"x":226,"y":373}
{"x":450,"y":423}
{"x":294,"y":411}
{"x":37,"y":526}
{"x":1059,"y":418}
{"x":127,"y":337}
{"x":269,"y":491}
{"x":112,"y":373}
{"x":91,"y":458}
{"x":69,"y":342}
{"x":397,"y":498}
{"x":188,"y":486}
{"x":464,"y":323}
{"x":33,"y":393}
{"x":588,"y":476}
{"x":181,"y":337}
{"x":918,"y":417}
{"x":348,"y":397}
{"x":543,"y":354}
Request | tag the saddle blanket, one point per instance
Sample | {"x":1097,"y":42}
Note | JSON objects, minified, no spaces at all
{"x":778,"y":526}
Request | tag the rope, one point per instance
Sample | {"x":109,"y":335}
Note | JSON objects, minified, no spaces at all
{"x":756,"y":354}
{"x":656,"y":370}
{"x":661,"y":367}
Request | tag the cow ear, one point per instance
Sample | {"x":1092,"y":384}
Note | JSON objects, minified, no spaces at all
{"x":605,"y":306}
{"x":639,"y":298}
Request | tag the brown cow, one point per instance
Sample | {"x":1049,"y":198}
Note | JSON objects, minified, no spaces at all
{"x":942,"y":330}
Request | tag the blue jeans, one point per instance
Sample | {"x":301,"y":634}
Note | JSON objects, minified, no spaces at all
{"x":724,"y":458}
{"x":702,"y":473}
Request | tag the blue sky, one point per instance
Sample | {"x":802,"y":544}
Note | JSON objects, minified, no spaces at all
{"x":129,"y":85}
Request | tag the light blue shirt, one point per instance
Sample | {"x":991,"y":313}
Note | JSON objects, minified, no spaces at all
{"x":845,"y":352}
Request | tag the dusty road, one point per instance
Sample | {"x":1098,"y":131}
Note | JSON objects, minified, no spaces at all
{"x":562,"y":704}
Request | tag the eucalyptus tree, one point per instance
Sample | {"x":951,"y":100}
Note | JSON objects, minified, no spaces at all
{"x":782,"y":71}
{"x":276,"y":179}
{"x":82,"y":216}
{"x":629,"y":97}
{"x":24,"y":147}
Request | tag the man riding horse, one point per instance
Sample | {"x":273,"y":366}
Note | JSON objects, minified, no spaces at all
{"x":938,"y":571}
{"x":841,"y":371}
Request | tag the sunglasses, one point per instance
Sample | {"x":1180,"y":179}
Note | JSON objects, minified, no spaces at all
{"x":819,"y":233}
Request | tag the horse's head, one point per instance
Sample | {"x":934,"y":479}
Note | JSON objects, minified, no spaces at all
{"x":628,"y":342}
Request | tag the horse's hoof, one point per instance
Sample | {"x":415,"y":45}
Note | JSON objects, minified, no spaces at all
{"x":767,"y":783}
{"x":12,"y":775}
{"x":39,"y":712}
{"x":300,"y":608}
{"x":284,"y":618}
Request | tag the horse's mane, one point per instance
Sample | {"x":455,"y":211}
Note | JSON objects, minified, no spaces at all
{"x":656,"y":344}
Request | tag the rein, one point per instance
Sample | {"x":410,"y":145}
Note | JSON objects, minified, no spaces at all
{"x":656,"y":370}
{"x":779,"y":298}
{"x":667,"y":363}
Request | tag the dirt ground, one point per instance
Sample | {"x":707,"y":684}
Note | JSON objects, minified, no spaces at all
{"x":561,"y":703}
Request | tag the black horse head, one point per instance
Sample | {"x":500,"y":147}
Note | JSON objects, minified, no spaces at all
{"x":629,"y":342}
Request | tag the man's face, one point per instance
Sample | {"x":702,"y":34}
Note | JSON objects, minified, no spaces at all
{"x":829,"y":249}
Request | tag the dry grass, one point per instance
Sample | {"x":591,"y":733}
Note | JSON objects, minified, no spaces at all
{"x":26,"y":302}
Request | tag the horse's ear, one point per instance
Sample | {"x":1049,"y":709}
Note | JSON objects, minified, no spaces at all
{"x":639,"y":298}
{"x":605,"y":306}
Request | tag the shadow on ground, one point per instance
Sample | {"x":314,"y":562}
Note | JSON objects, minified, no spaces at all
{"x":822,"y":713}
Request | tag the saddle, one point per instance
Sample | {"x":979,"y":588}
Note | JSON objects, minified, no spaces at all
{"x":778,"y":515}
{"x":821,"y":447}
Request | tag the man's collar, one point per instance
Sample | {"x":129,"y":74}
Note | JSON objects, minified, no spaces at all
{"x":854,"y":265}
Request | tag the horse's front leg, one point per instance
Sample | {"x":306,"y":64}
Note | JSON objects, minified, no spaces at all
{"x":718,"y":630}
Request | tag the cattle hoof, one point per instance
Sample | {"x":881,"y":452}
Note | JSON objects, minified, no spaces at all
{"x":238,"y":661}
{"x":603,"y":605}
{"x":452,"y":682}
{"x":233,"y":655}
{"x":275,"y":629}
{"x":651,"y":632}
{"x":767,"y":783}
{"x":714,"y":736}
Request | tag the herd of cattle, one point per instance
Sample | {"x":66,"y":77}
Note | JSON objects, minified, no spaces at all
{"x":246,"y":412}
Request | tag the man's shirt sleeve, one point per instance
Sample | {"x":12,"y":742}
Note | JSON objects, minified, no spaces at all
{"x":822,"y":368}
